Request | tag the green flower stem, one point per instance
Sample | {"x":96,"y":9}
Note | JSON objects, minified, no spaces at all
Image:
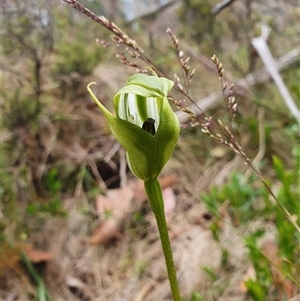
{"x":154,"y":193}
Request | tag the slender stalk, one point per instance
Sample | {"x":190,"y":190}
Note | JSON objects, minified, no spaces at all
{"x":154,"y":193}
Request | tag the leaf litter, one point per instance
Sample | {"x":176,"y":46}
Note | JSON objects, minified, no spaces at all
{"x":116,"y":204}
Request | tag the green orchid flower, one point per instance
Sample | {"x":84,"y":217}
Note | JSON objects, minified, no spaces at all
{"x":144,"y":124}
{"x":148,"y":129}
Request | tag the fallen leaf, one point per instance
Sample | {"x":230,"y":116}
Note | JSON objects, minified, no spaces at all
{"x":117,"y":201}
{"x":289,"y":290}
{"x":167,"y":181}
{"x":112,"y":208}
{"x":37,"y":256}
{"x":106,"y":231}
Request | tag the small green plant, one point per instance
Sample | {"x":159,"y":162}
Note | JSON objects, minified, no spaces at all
{"x":260,"y":264}
{"x":243,"y":198}
{"x":210,"y":273}
{"x":54,"y":207}
{"x":195,"y":297}
{"x":288,"y":194}
{"x":255,"y":290}
{"x":20,"y":111}
{"x":52,"y":181}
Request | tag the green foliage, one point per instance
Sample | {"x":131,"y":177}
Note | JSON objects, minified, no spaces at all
{"x":52,"y":181}
{"x":27,"y":40}
{"x":88,"y":183}
{"x":7,"y":192}
{"x":14,"y":188}
{"x":140,"y":267}
{"x":76,"y":57}
{"x":76,"y":51}
{"x":214,"y":228}
{"x":2,"y":235}
{"x":26,"y":31}
{"x":295,"y":89}
{"x":288,"y":195}
{"x":225,"y":257}
{"x":107,"y":213}
{"x":20,"y":110}
{"x":198,"y":16}
{"x":260,"y":262}
{"x":210,"y":273}
{"x":247,"y":202}
{"x":195,"y":297}
{"x":52,"y":207}
{"x":138,"y":217}
{"x":21,"y":29}
{"x":243,"y":199}
{"x":258,"y":288}
{"x":255,"y":290}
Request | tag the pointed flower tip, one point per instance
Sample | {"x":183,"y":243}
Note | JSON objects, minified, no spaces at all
{"x":90,"y":84}
{"x":98,"y":103}
{"x":92,"y":93}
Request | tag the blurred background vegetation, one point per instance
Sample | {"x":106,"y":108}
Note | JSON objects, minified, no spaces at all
{"x":57,"y":153}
